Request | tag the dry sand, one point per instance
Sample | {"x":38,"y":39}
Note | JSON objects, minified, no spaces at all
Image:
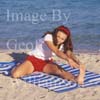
{"x":16,"y":89}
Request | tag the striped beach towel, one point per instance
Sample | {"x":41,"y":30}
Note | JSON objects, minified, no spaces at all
{"x":51,"y":82}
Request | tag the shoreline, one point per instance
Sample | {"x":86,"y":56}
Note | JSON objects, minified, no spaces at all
{"x":75,"y":51}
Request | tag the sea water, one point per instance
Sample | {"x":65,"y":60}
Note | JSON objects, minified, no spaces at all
{"x":22,"y":22}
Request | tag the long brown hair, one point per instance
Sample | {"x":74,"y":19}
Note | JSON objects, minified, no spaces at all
{"x":67,"y":45}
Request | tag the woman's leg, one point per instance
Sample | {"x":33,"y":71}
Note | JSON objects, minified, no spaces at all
{"x":23,"y":69}
{"x":81,"y":76}
{"x":56,"y":70}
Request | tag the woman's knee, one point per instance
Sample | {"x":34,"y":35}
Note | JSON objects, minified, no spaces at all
{"x":22,"y":70}
{"x":15,"y":74}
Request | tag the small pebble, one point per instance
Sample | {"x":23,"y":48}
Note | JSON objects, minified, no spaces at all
{"x":1,"y":87}
{"x":97,"y":60}
{"x":42,"y":97}
{"x":14,"y":81}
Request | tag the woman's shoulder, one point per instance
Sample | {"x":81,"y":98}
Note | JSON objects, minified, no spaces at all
{"x":48,"y":37}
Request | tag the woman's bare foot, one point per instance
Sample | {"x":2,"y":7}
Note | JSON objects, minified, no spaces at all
{"x":80,"y":79}
{"x":68,"y":76}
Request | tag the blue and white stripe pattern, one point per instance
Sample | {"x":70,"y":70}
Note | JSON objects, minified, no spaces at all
{"x":51,"y":82}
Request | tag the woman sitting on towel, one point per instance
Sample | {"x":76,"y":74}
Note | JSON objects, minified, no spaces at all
{"x":57,"y":42}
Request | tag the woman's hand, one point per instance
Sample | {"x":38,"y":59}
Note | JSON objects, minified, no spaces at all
{"x":80,"y":78}
{"x":72,"y":63}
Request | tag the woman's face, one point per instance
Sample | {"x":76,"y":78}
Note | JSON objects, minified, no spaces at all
{"x":61,"y":37}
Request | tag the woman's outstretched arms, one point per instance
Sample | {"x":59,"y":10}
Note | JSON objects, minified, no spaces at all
{"x":61,"y":54}
{"x":70,"y":54}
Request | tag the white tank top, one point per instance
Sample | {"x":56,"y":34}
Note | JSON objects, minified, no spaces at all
{"x":41,"y":49}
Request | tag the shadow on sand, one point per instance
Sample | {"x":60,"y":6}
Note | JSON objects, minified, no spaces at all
{"x":18,"y":57}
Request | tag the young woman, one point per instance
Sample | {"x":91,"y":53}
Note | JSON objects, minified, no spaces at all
{"x":57,"y":42}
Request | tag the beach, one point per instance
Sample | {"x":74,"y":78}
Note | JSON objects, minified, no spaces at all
{"x":16,"y":89}
{"x":23,"y":22}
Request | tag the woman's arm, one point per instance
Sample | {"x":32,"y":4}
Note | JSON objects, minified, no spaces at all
{"x":56,"y":50}
{"x":61,"y":54}
{"x":70,"y":54}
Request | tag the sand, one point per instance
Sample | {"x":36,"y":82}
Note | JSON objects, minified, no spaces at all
{"x":16,"y":89}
